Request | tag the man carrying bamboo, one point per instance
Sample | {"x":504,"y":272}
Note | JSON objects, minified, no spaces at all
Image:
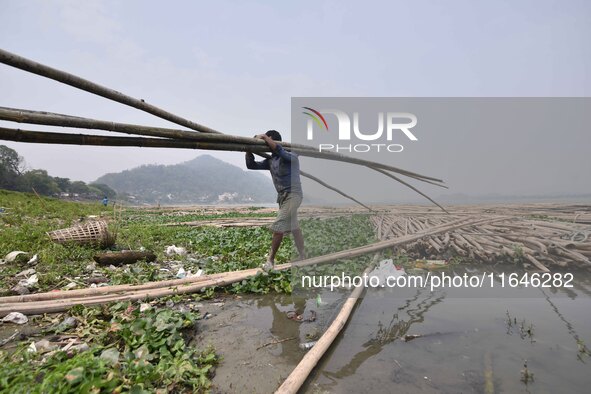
{"x":285,"y":171}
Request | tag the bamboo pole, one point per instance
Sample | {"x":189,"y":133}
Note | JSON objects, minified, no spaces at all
{"x":116,"y":289}
{"x":31,"y":66}
{"x":298,"y":376}
{"x":326,"y":185}
{"x":536,"y":262}
{"x":44,"y":137}
{"x":100,"y":140}
{"x":412,"y":187}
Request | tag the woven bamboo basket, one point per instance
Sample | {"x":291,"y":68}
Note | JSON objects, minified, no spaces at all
{"x":89,"y":233}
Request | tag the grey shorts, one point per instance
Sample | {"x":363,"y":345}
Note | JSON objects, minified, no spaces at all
{"x":287,"y":217}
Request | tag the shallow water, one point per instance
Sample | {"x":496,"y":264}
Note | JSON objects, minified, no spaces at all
{"x":466,"y":344}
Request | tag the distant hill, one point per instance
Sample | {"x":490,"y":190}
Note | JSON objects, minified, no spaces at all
{"x":204,"y":180}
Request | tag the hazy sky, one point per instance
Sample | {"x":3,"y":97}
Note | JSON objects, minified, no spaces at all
{"x":235,"y":65}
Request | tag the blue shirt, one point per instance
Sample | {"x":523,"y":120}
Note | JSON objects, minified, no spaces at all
{"x":284,"y":167}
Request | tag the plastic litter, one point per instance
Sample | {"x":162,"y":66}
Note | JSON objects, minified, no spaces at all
{"x":66,"y":324}
{"x":16,"y":318}
{"x":12,"y":256}
{"x":307,"y":345}
{"x":29,"y":282}
{"x":194,"y":275}
{"x":173,"y":249}
{"x":44,"y":346}
{"x":25,"y":273}
{"x":20,"y":290}
{"x":34,"y":260}
{"x":181,"y":273}
{"x":386,"y":268}
{"x":32,"y":348}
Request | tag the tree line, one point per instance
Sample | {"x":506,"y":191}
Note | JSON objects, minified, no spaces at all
{"x":14,"y":176}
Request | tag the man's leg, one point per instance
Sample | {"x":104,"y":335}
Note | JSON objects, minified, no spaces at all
{"x":275,"y":243}
{"x":298,"y":238}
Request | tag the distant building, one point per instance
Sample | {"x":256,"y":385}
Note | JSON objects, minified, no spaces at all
{"x":227,"y":197}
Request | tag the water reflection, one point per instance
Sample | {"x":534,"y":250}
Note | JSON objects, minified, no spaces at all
{"x":412,"y":312}
{"x":583,"y":351}
{"x":281,"y":326}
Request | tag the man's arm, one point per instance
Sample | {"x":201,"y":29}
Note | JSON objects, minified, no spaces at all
{"x":277,"y":148}
{"x":251,"y":164}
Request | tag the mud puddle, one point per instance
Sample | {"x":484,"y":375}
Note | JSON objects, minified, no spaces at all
{"x":258,"y":342}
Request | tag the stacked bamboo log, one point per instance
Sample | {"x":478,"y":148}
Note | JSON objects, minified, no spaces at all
{"x":543,"y":239}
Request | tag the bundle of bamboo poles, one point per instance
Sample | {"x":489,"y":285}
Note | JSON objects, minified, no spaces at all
{"x":541,"y":243}
{"x":198,"y":137}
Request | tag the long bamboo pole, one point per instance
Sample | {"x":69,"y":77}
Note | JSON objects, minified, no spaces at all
{"x":28,"y":136}
{"x":326,"y":185}
{"x":31,"y":66}
{"x":298,"y":376}
{"x":43,"y":137}
{"x":412,"y":187}
{"x":117,"y":289}
{"x":55,"y":119}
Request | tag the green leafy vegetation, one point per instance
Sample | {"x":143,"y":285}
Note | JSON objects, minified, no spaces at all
{"x":130,"y":351}
{"x":27,"y":219}
{"x":23,"y":226}
{"x":167,"y":217}
{"x":324,"y":236}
